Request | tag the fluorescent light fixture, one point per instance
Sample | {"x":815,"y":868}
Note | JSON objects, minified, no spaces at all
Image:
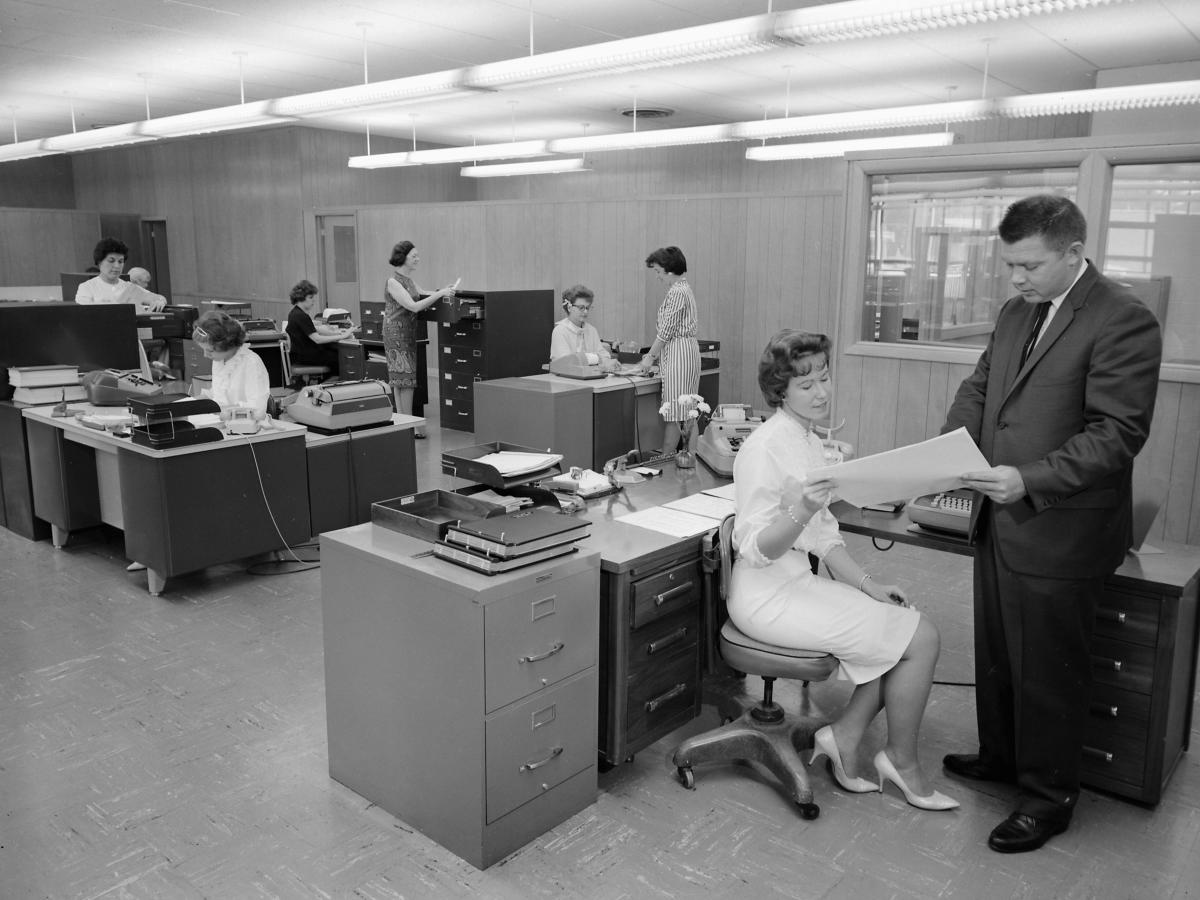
{"x":475,"y":153}
{"x":860,"y":19}
{"x":924,"y":114}
{"x":23,"y":150}
{"x":1109,"y":99}
{"x":225,"y":118}
{"x":720,"y":40}
{"x":635,"y":140}
{"x":96,"y":138}
{"x":394,"y":92}
{"x":537,"y":167}
{"x":823,"y":149}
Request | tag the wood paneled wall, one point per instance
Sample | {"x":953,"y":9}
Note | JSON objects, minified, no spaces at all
{"x":38,"y":244}
{"x":44,"y":183}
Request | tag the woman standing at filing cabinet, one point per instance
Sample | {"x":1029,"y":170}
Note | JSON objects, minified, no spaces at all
{"x":887,"y":649}
{"x":401,"y":303}
{"x":675,"y":347}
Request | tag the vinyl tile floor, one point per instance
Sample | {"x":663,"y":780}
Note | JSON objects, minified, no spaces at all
{"x":174,"y":747}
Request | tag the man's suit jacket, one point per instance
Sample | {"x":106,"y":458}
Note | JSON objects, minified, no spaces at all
{"x":1071,"y":421}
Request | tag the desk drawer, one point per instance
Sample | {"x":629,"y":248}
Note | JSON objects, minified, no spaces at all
{"x":1114,"y":711}
{"x":538,"y":637}
{"x":1123,"y":665}
{"x":663,"y":638}
{"x":468,"y":360}
{"x":466,"y":333}
{"x":660,"y":693}
{"x":667,"y":592}
{"x":1127,"y":616}
{"x":1119,"y":756}
{"x":458,"y":412}
{"x":539,"y":743}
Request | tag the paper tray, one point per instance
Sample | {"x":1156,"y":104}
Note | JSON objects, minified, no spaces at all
{"x":429,"y":514}
{"x":464,"y":463}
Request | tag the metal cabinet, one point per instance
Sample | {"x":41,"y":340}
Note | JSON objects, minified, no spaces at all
{"x":463,"y":704}
{"x":483,"y":335}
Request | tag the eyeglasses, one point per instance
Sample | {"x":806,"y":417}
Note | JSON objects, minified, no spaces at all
{"x":583,"y":306}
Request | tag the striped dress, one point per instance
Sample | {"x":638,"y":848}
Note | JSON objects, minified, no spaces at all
{"x":679,"y":364}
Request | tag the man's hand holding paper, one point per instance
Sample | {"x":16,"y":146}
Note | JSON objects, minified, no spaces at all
{"x":937,"y":464}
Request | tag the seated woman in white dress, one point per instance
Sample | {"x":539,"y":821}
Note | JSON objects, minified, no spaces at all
{"x":886,"y":648}
{"x":575,"y":334}
{"x":239,"y":377}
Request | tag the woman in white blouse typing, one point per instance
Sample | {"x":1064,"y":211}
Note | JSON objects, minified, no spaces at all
{"x":886,"y":648}
{"x":107,"y":287}
{"x":239,"y":377}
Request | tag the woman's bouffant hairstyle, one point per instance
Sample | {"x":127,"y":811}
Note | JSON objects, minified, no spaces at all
{"x":576,"y":292}
{"x":789,"y":353}
{"x":400,"y":253}
{"x":106,"y":246}
{"x":671,"y":260}
{"x":221,"y":330}
{"x":302,"y":291}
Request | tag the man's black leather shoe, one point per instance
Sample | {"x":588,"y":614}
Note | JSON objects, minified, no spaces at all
{"x":969,"y":765}
{"x":1020,"y":833}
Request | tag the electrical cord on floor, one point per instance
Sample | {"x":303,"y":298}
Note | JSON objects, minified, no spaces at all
{"x":281,"y":566}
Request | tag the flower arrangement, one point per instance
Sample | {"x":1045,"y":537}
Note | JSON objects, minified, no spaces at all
{"x":693,"y":408}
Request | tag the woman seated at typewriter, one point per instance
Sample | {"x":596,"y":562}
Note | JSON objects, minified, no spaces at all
{"x":239,"y":377}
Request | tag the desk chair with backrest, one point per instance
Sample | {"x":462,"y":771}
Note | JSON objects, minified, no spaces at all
{"x":764,"y":733}
{"x":299,"y":374}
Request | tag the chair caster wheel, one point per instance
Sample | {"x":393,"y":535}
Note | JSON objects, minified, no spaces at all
{"x":809,"y":810}
{"x":686,"y":777}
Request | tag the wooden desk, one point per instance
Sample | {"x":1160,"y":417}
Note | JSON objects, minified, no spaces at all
{"x":552,"y":411}
{"x":1144,"y":655}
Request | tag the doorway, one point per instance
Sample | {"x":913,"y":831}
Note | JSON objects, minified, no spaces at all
{"x":157,"y":259}
{"x":337,"y":240}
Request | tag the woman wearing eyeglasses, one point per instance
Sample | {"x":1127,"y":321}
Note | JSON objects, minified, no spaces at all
{"x":239,"y":377}
{"x":575,"y":334}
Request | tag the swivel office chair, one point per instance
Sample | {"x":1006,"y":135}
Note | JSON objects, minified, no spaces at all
{"x":764,"y":733}
{"x":299,"y":374}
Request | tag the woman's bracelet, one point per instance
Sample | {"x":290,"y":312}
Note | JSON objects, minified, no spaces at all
{"x":865,"y":579}
{"x":790,"y":512}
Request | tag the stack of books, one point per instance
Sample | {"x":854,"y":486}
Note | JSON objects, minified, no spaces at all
{"x":501,"y":543}
{"x":46,"y":384}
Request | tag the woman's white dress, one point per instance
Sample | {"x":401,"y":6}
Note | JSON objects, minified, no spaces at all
{"x":781,"y":601}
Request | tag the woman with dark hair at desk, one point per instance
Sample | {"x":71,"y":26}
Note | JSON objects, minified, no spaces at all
{"x":886,"y":648}
{"x":239,"y":376}
{"x":312,"y":344}
{"x":107,"y":287}
{"x":401,"y":302}
{"x":675,"y":347}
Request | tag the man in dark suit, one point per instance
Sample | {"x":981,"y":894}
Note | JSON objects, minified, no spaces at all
{"x":1060,"y":403}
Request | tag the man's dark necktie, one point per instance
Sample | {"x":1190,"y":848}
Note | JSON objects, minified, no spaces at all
{"x":1042,"y":309}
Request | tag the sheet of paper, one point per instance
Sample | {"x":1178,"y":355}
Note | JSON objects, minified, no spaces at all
{"x":725,"y":491}
{"x":715,"y":508}
{"x":204,"y":420}
{"x":674,"y":522}
{"x":925,"y":468}
{"x":508,"y":462}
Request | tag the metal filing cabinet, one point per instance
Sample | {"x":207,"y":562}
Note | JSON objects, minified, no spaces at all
{"x":463,"y":704}
{"x":484,"y":335}
{"x":650,"y":648}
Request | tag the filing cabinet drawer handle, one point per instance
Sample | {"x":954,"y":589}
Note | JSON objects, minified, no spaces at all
{"x":673,"y":638}
{"x":530,"y":766}
{"x":678,"y":591}
{"x":1105,"y":663}
{"x":652,"y":705}
{"x":1104,"y":709}
{"x":1101,"y":755}
{"x":1112,"y":616}
{"x":540,"y":656}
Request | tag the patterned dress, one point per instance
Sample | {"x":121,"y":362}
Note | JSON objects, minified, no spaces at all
{"x":679,"y":364}
{"x":400,"y":336}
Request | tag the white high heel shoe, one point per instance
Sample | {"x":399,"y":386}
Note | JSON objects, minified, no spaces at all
{"x":825,"y":745}
{"x":886,"y":771}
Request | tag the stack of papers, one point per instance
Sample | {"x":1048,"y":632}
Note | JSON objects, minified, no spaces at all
{"x":509,"y":463}
{"x":687,"y":516}
{"x":510,"y":504}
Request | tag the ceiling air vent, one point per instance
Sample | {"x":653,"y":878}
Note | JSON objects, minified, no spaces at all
{"x":648,"y":112}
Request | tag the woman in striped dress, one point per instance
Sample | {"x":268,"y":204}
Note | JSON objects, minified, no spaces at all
{"x":675,"y":347}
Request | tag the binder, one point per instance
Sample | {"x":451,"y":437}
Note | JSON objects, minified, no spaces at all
{"x":489,"y":565}
{"x":518,"y":533}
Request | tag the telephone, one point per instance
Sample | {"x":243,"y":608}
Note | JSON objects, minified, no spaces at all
{"x":242,"y":420}
{"x":575,"y":365}
{"x":947,"y":511}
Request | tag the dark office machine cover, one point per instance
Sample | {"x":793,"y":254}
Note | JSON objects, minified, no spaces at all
{"x":517,"y":533}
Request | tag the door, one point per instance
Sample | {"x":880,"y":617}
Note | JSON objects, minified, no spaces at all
{"x":338,"y":246}
{"x":157,"y":259}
